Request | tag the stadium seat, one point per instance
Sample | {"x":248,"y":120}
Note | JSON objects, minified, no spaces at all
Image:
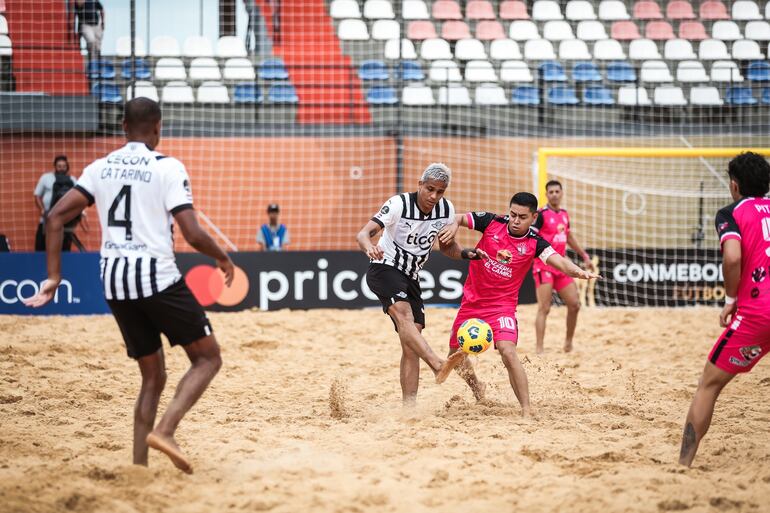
{"x":100,"y":69}
{"x":523,"y":30}
{"x":562,"y":95}
{"x":378,"y":10}
{"x":585,"y":72}
{"x":621,"y":71}
{"x":417,"y":94}
{"x":165,"y":46}
{"x":406,"y":50}
{"x":745,"y":10}
{"x":470,"y":49}
{"x":579,"y":10}
{"x":625,"y":31}
{"x":282,"y":93}
{"x":525,"y":95}
{"x":204,"y":68}
{"x":123,"y":47}
{"x":504,"y":49}
{"x":608,"y":50}
{"x":679,"y":10}
{"x":457,"y":95}
{"x":712,"y":50}
{"x":144,"y":89}
{"x":705,"y":96}
{"x":726,"y":31}
{"x":490,"y":94}
{"x":515,"y":71}
{"x":107,"y":92}
{"x":197,"y":46}
{"x":678,"y":50}
{"x":170,"y":68}
{"x":691,"y":71}
{"x":757,"y":30}
{"x":444,"y":71}
{"x":436,"y":48}
{"x":557,"y":30}
{"x":480,"y":71}
{"x":647,"y":10}
{"x":212,"y":92}
{"x":238,"y":68}
{"x":383,"y":30}
{"x":513,"y":10}
{"x":420,"y":30}
{"x":591,"y":31}
{"x":480,"y":10}
{"x":642,"y":49}
{"x":342,"y":9}
{"x":273,"y":69}
{"x":455,"y":30}
{"x":747,"y":50}
{"x":758,"y":71}
{"x":177,"y":92}
{"x":3,"y":25}
{"x":247,"y":92}
{"x":725,"y":71}
{"x":447,"y":10}
{"x":633,"y":96}
{"x":692,"y":31}
{"x":414,"y":10}
{"x":613,"y":10}
{"x":738,"y":95}
{"x":574,"y":50}
{"x":6,"y":47}
{"x":141,"y":69}
{"x":766,"y":96}
{"x":713,"y":10}
{"x":487,"y":30}
{"x":382,"y":95}
{"x":352,"y":30}
{"x":598,"y":95}
{"x":659,"y":31}
{"x":230,"y":46}
{"x":373,"y":70}
{"x":669,"y":96}
{"x":767,"y":15}
{"x":552,"y":71}
{"x":538,"y":50}
{"x":655,"y":72}
{"x":410,"y":70}
{"x":545,"y":10}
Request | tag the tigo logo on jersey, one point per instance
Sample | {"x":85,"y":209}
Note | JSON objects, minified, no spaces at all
{"x":207,"y":284}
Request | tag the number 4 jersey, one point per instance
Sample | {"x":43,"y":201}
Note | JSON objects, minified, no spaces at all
{"x":137,"y":191}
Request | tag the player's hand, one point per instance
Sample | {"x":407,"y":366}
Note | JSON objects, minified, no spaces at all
{"x":726,"y":315}
{"x":228,"y":269}
{"x":588,"y":263}
{"x":447,"y":233}
{"x":480,"y":254}
{"x":587,"y":275}
{"x":46,"y":293}
{"x":375,"y":253}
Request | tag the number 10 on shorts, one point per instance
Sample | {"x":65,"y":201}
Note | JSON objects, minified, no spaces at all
{"x":507,"y":323}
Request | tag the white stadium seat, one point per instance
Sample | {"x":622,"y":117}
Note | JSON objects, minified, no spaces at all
{"x":123,"y":47}
{"x":204,"y":68}
{"x":197,"y":46}
{"x":725,"y":71}
{"x":415,"y":10}
{"x":678,"y":50}
{"x":231,"y":46}
{"x":170,"y":68}
{"x":757,"y":30}
{"x":504,"y":49}
{"x":444,"y":71}
{"x":544,"y":10}
{"x":655,"y":71}
{"x":747,"y":50}
{"x":177,"y":92}
{"x":726,"y":30}
{"x":417,"y":94}
{"x":578,"y":10}
{"x":406,"y":50}
{"x":691,"y":71}
{"x":239,"y":68}
{"x":454,"y":95}
{"x":480,"y":71}
{"x":352,"y":30}
{"x":383,"y":30}
{"x":705,"y":96}
{"x":712,"y":50}
{"x":574,"y":50}
{"x":378,"y":10}
{"x":213,"y":92}
{"x":144,"y":89}
{"x":342,"y":9}
{"x":591,"y":31}
{"x":165,"y":46}
{"x":470,"y":49}
{"x":633,"y":96}
{"x":642,"y":49}
{"x":490,"y":94}
{"x":613,"y":10}
{"x":557,"y":30}
{"x":539,"y":50}
{"x":436,"y":48}
{"x":746,"y":10}
{"x":608,"y":50}
{"x":523,"y":30}
{"x":669,"y":96}
{"x":515,"y":71}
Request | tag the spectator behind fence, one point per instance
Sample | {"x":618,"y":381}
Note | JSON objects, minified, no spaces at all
{"x":90,"y":20}
{"x":273,"y":236}
{"x":50,"y":188}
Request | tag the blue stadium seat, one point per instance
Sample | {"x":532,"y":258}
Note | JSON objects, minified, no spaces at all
{"x":766,"y":96}
{"x":598,"y":95}
{"x":247,"y":92}
{"x":273,"y":69}
{"x":620,"y":71}
{"x":759,"y":71}
{"x":552,"y":71}
{"x":561,"y":95}
{"x":282,"y":93}
{"x":410,"y":70}
{"x":373,"y":70}
{"x":141,"y":68}
{"x":740,"y":96}
{"x":585,"y":72}
{"x":525,"y":95}
{"x":382,"y":95}
{"x":100,"y":70}
{"x":107,"y":93}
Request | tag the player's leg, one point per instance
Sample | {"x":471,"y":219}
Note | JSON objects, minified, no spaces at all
{"x":544,"y":293}
{"x":409,"y":372}
{"x":153,"y":369}
{"x":40,"y":237}
{"x":465,"y":370}
{"x":569,"y":294}
{"x":516,"y":374}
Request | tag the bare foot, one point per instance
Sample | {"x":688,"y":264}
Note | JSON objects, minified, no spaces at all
{"x":526,"y":412}
{"x":480,"y":392}
{"x":168,"y":446}
{"x":568,"y":347}
{"x":539,"y":350}
{"x":451,"y":362}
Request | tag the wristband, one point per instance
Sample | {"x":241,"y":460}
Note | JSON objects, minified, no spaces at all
{"x":465,"y":254}
{"x":729,"y":300}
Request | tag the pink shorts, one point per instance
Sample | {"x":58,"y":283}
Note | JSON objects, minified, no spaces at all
{"x":742,"y":344}
{"x":544,"y":275}
{"x":503,"y":323}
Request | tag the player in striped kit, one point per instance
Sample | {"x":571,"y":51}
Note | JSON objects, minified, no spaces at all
{"x":139,"y":195}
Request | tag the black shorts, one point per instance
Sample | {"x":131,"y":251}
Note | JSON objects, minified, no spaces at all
{"x":391,"y":285}
{"x":174,"y":312}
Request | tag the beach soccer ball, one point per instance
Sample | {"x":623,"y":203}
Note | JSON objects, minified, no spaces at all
{"x":474,"y":336}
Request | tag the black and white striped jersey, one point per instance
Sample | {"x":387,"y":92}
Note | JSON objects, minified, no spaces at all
{"x":409,"y":234}
{"x":137,"y":192}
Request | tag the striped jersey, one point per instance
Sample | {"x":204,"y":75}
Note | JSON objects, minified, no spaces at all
{"x":409,"y":234}
{"x":137,"y":191}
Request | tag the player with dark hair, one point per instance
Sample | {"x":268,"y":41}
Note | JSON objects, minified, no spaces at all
{"x":140,"y":194}
{"x":744,"y":233}
{"x":491,"y":290}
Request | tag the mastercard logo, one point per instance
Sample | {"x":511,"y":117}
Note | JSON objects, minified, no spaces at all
{"x":207,"y":284}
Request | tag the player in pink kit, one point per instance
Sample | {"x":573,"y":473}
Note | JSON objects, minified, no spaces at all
{"x":491,"y":291}
{"x":552,"y":224}
{"x":744,"y":232}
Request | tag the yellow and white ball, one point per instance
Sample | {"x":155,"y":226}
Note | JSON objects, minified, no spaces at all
{"x":474,"y":336}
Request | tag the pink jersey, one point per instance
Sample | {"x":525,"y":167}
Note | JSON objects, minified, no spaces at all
{"x":553,"y":226}
{"x":496,"y":282}
{"x":748,"y":221}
